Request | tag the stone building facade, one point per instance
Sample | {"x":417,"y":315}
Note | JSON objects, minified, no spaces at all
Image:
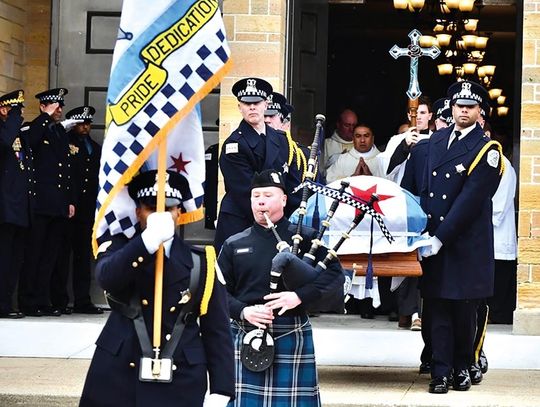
{"x":256,"y":32}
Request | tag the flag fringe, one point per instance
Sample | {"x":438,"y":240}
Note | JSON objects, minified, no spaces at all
{"x":210,"y":84}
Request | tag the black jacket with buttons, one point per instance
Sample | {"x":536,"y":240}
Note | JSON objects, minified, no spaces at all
{"x":16,"y":171}
{"x":85,"y":174}
{"x":459,"y":210}
{"x":204,"y":348}
{"x":54,"y":190}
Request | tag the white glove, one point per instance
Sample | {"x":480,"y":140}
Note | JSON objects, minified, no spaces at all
{"x":159,"y":229}
{"x":432,"y":249}
{"x":68,"y":124}
{"x":216,"y":400}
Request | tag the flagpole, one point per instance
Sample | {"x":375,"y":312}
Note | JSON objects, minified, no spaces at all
{"x":158,"y":286}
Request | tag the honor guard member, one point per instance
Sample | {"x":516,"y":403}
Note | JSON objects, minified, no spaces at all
{"x":412,"y":182}
{"x":246,"y":261}
{"x":251,"y":148}
{"x":195,"y":324}
{"x":85,"y":154}
{"x":16,"y":185}
{"x":462,"y":172}
{"x":278,"y":116}
{"x":54,"y":203}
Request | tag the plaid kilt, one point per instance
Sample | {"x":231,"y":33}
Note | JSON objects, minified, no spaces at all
{"x":291,"y":380}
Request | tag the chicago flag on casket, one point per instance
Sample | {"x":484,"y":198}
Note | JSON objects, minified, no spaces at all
{"x":400,"y":210}
{"x":169,"y":55}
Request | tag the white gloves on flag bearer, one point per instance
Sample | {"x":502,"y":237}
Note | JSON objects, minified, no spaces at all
{"x":432,"y":248}
{"x":216,"y":400}
{"x":159,"y":229}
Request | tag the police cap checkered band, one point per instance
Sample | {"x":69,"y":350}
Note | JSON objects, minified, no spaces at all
{"x":441,"y":108}
{"x":52,"y":96}
{"x":85,"y":113}
{"x":13,"y":98}
{"x":276,"y":104}
{"x":251,"y":90}
{"x":144,"y":188}
{"x":467,"y":93}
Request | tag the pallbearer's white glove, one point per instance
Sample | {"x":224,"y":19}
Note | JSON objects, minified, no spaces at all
{"x":159,"y":229}
{"x":432,"y":249}
{"x":216,"y":400}
{"x":68,"y":124}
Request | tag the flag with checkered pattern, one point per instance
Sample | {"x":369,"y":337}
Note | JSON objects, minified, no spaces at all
{"x":169,"y":54}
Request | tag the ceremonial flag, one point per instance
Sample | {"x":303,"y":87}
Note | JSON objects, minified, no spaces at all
{"x":169,"y":54}
{"x":400,"y":211}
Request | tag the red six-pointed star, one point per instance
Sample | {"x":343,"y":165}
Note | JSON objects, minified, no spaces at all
{"x":366,"y":196}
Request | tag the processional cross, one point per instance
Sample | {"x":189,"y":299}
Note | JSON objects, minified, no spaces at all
{"x":414,"y":51}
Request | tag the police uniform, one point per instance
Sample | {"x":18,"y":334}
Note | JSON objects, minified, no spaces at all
{"x":85,"y":156}
{"x":53,"y":195}
{"x":16,"y":172}
{"x":297,"y":155}
{"x":245,"y":260}
{"x":458,"y":184}
{"x":126,"y":270}
{"x":243,"y":153}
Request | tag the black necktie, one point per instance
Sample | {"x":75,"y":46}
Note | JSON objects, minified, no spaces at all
{"x":457,"y":133}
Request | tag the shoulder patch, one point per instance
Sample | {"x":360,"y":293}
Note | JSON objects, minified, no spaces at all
{"x":493,"y":158}
{"x":231,"y":148}
{"x":104,"y":246}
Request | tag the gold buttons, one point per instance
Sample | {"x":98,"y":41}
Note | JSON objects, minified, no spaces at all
{"x":172,"y":309}
{"x":140,"y":259}
{"x":131,"y":364}
{"x":144,"y":301}
{"x":134,"y":264}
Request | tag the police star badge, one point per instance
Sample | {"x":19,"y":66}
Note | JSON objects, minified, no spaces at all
{"x":73,"y":149}
{"x":460,"y":168}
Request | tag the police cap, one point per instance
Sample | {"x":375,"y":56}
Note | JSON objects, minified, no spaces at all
{"x":15,"y":98}
{"x":251,"y":90}
{"x":52,"y":96}
{"x":143,"y":188}
{"x":85,"y":113}
{"x":467,"y":93}
{"x":268,"y":178}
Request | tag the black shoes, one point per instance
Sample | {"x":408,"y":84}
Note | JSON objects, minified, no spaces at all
{"x":87,"y":309}
{"x":439,"y":385}
{"x":482,"y":362}
{"x":11,"y":314}
{"x":393,"y":316}
{"x":476,"y":373}
{"x":425,"y":368}
{"x":462,"y":380}
{"x":50,"y":311}
{"x":32,"y":311}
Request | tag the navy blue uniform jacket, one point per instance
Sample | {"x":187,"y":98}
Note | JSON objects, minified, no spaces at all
{"x":52,"y":163}
{"x":85,"y":170}
{"x":459,"y":213}
{"x":246,"y":258}
{"x":16,"y":172}
{"x":126,"y":266}
{"x":413,"y":176}
{"x":244,"y":153}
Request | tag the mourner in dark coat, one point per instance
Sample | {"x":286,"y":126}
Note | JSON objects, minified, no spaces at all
{"x":246,"y":260}
{"x":462,"y":172}
{"x":54,"y":203}
{"x":77,"y":243}
{"x":16,"y":176}
{"x":251,"y":148}
{"x":126,"y":270}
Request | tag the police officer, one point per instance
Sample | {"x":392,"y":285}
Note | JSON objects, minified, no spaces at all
{"x":246,"y":261}
{"x":85,"y":154}
{"x":462,"y":172}
{"x":251,"y":148}
{"x":278,"y":116}
{"x":54,"y":203}
{"x":118,"y":374}
{"x":16,"y":174}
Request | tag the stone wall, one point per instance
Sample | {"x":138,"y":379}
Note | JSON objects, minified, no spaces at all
{"x":527,"y":316}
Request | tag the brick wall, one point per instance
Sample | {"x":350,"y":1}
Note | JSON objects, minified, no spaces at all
{"x":529,"y":171}
{"x":12,"y":36}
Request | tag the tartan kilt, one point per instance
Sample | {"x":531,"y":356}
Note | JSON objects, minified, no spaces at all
{"x":291,"y":380}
